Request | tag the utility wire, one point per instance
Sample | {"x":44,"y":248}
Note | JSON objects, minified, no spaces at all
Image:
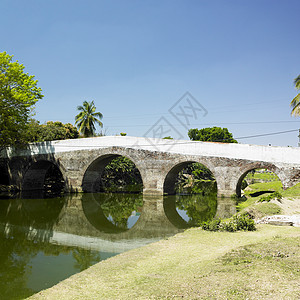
{"x":209,"y":124}
{"x":266,"y":134}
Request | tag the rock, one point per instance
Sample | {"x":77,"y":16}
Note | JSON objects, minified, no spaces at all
{"x":281,"y":220}
{"x":281,"y":223}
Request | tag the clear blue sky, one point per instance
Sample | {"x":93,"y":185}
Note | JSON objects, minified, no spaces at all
{"x":135,"y":59}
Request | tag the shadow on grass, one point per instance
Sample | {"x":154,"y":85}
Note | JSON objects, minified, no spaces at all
{"x":259,"y":193}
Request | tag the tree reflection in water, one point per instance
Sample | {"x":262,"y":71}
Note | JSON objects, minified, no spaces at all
{"x":26,"y":225}
{"x":85,"y":258}
{"x":17,"y":258}
{"x":195,"y":199}
{"x":198,"y":208}
{"x":189,"y":210}
{"x":14,"y":268}
{"x":119,"y":208}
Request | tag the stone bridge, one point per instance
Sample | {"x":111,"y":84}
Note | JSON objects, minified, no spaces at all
{"x":82,"y":161}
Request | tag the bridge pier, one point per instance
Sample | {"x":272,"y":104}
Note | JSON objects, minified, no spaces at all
{"x":153,"y":182}
{"x":226,"y":179}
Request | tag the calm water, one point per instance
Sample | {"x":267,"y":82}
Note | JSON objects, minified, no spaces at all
{"x":43,"y":241}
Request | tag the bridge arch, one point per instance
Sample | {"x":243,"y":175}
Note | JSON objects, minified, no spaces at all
{"x":91,"y":178}
{"x":4,"y":175}
{"x":170,"y":176}
{"x":254,"y":166}
{"x":43,"y":174}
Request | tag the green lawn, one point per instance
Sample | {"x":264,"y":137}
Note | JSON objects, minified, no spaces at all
{"x":265,"y":208}
{"x":196,"y":264}
{"x":267,"y":176}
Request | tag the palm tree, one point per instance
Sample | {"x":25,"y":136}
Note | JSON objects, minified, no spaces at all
{"x":87,"y":118}
{"x":295,"y":104}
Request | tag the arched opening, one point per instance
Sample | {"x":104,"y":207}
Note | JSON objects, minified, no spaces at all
{"x":258,"y":181}
{"x":189,"y":178}
{"x":115,"y":182}
{"x":112,"y":173}
{"x":5,"y":189}
{"x":191,"y":194}
{"x":4,"y":177}
{"x":43,"y":179}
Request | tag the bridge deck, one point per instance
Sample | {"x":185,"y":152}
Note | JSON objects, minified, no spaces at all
{"x":274,"y":154}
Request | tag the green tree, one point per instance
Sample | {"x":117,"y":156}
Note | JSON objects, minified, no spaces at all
{"x":121,"y":174}
{"x":195,"y":178}
{"x":50,"y":131}
{"x":18,"y":95}
{"x":211,"y":134}
{"x":87,"y":118}
{"x":295,"y":103}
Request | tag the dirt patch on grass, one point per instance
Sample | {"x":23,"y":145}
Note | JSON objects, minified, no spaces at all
{"x":289,"y":206}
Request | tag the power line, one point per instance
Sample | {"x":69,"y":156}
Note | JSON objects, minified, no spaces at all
{"x":267,"y":134}
{"x":209,"y":124}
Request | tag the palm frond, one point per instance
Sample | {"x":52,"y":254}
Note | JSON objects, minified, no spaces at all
{"x":295,"y":104}
{"x":297,"y":82}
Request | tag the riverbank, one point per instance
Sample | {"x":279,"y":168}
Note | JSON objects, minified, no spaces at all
{"x":288,"y":212}
{"x":196,"y":264}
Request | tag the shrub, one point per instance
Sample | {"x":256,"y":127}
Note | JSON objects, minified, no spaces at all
{"x":213,"y":225}
{"x":275,"y":195}
{"x":244,"y":222}
{"x":229,"y":226}
{"x":237,"y":222}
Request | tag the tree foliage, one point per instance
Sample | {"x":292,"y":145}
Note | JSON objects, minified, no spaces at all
{"x":121,"y":175}
{"x":118,"y":208}
{"x":295,"y":103}
{"x":50,"y":131}
{"x":195,"y":178}
{"x":87,"y":118}
{"x":18,"y":95}
{"x":211,"y":134}
{"x":198,"y":209}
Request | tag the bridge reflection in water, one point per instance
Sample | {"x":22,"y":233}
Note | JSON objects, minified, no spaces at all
{"x":87,"y":228}
{"x":98,"y":220}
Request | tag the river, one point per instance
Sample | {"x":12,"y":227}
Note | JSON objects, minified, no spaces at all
{"x":43,"y":241}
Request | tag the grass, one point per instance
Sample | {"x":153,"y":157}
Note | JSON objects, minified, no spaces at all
{"x":265,"y":186}
{"x":268,"y":209}
{"x":196,"y":264}
{"x":262,"y":209}
{"x":266,"y":176}
{"x":293,"y":191}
